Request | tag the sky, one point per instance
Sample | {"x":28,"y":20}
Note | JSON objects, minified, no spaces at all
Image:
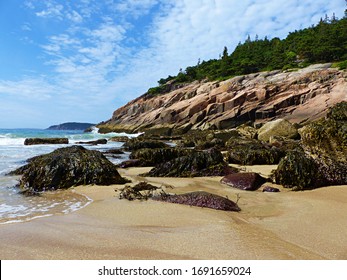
{"x":79,"y":60}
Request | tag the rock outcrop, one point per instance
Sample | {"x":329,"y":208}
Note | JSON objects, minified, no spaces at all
{"x":195,"y":164}
{"x":322,"y":161}
{"x":41,"y":141}
{"x":297,"y":96}
{"x":67,"y":167}
{"x":94,"y":142}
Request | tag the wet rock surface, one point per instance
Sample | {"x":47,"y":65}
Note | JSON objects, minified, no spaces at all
{"x":141,"y":191}
{"x":67,"y":167}
{"x":270,"y":189}
{"x":140,"y":143}
{"x":95,"y":142}
{"x":40,"y":141}
{"x":323,"y":158}
{"x":251,"y":151}
{"x":249,"y":181}
{"x":152,"y":157}
{"x":196,"y":164}
{"x":201,"y":199}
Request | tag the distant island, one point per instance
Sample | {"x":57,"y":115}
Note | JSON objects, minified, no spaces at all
{"x":71,"y":126}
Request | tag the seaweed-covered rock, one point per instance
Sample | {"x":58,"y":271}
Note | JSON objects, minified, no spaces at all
{"x":67,"y":167}
{"x":297,"y":170}
{"x":152,"y":157}
{"x":94,"y":142}
{"x":300,"y":171}
{"x":40,"y":141}
{"x":206,"y":139}
{"x":331,"y":171}
{"x":326,"y":137}
{"x":114,"y":152}
{"x":251,"y":151}
{"x":130,"y":163}
{"x":338,"y":112}
{"x":141,"y":191}
{"x":139,"y":143}
{"x":325,"y":160}
{"x":201,"y":199}
{"x":249,"y":181}
{"x":198,"y":163}
{"x":247,"y":131}
{"x":119,"y":139}
{"x":279,"y":127}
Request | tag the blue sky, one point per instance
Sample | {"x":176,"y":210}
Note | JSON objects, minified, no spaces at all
{"x":79,"y":60}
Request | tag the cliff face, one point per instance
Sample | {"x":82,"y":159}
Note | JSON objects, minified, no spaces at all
{"x":297,"y":96}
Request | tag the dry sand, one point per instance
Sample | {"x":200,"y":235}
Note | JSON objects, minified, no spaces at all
{"x":285,"y":225}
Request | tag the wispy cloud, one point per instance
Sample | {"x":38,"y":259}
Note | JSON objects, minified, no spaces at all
{"x":28,"y":88}
{"x":108,"y":52}
{"x":51,"y":9}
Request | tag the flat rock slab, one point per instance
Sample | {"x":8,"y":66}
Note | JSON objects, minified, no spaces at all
{"x":40,"y":141}
{"x":201,"y":199}
{"x":249,"y":181}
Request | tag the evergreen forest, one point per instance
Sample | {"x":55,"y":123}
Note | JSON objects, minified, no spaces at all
{"x":321,"y":43}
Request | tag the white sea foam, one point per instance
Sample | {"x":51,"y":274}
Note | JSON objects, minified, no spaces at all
{"x":13,"y":154}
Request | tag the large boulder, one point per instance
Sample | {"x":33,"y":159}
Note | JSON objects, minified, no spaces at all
{"x":40,"y":141}
{"x":201,"y":199}
{"x":249,"y":181}
{"x":328,"y":137}
{"x":67,"y":167}
{"x":324,"y":161}
{"x":279,"y":127}
{"x":152,"y":157}
{"x":140,"y":143}
{"x":251,"y":151}
{"x":196,"y":164}
{"x":299,"y":171}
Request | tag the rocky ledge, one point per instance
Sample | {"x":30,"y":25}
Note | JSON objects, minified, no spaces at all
{"x":298,"y":96}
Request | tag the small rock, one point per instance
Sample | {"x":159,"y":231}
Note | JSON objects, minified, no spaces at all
{"x":249,"y":181}
{"x":270,"y":189}
{"x":201,"y":199}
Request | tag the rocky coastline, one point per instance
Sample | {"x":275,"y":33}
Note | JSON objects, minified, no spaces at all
{"x":299,"y":96}
{"x":307,"y":157}
{"x":234,"y":186}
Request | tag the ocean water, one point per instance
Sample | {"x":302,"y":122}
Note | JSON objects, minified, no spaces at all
{"x":15,"y":207}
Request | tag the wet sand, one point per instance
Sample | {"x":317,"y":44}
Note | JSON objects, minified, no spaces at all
{"x":285,"y":225}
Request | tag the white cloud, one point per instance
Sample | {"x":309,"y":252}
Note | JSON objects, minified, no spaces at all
{"x":74,"y":16}
{"x":133,"y":8}
{"x":30,"y":88}
{"x":102,"y":59}
{"x":51,"y":10}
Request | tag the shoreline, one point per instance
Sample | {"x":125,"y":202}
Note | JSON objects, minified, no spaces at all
{"x":285,"y":225}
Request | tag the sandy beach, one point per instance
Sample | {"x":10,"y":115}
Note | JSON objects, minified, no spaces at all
{"x":285,"y":225}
